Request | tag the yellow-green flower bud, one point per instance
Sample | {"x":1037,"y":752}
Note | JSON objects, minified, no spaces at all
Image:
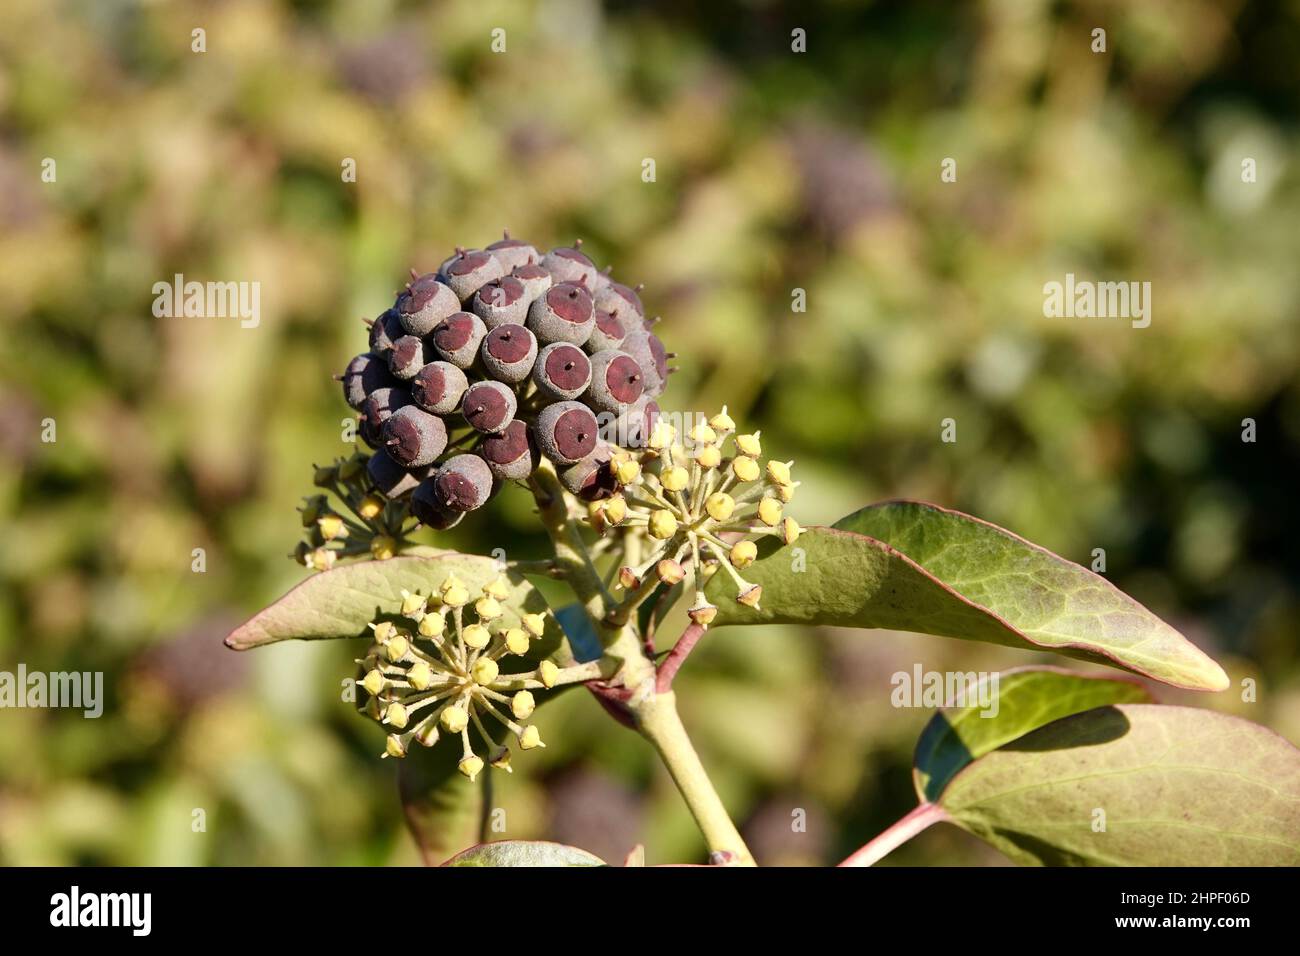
{"x":702,"y":434}
{"x":675,"y":478}
{"x":394,"y":747}
{"x":785,"y":492}
{"x":374,"y":682}
{"x":703,"y":614}
{"x":750,"y":596}
{"x":517,"y":641}
{"x":790,"y":530}
{"x":331,"y":527}
{"x":749,"y":445}
{"x":769,"y":512}
{"x":501,"y":759}
{"x":353,"y":467}
{"x":530,"y":737}
{"x":522,"y":705}
{"x":370,"y":507}
{"x":534,"y":624}
{"x":744,"y":468}
{"x":382,"y":547}
{"x":396,"y":648}
{"x":722,"y":421}
{"x":428,"y":734}
{"x":313,"y":508}
{"x":324,"y":475}
{"x":720,"y":506}
{"x":485,"y":670}
{"x":779,"y":471}
{"x":669,"y":571}
{"x":661,"y":436}
{"x":454,"y":719}
{"x":420,"y":675}
{"x":431,"y":625}
{"x":454,"y":593}
{"x":411,"y":602}
{"x":627,"y":579}
{"x":548,"y":673}
{"x":385,"y":631}
{"x":476,"y":636}
{"x":626,"y":472}
{"x":708,"y":456}
{"x":743,"y":554}
{"x":488,"y":609}
{"x":322,"y":559}
{"x":662,"y":524}
{"x":471,"y":766}
{"x":498,"y":590}
{"x":616,"y":509}
{"x":396,"y":715}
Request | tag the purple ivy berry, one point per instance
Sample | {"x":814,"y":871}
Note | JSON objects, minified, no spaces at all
{"x":384,"y":331}
{"x":380,"y":404}
{"x":457,"y":338}
{"x":649,"y":352}
{"x":566,"y":432}
{"x":591,"y":479}
{"x":622,"y":301}
{"x":407,"y":356}
{"x":569,"y":264}
{"x":463,"y":483}
{"x":489,"y":406}
{"x":467,"y":272}
{"x":608,"y":332}
{"x":563,"y":314}
{"x":536,"y":280}
{"x":429,"y":510}
{"x":414,"y":438}
{"x":389,"y":477}
{"x":616,"y":381}
{"x":364,"y":374}
{"x":562,"y":371}
{"x":501,"y":301}
{"x":512,"y":253}
{"x":426,"y":303}
{"x":511,"y":455}
{"x":509,"y":353}
{"x":438,"y":388}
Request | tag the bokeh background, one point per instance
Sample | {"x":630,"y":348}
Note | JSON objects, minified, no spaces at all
{"x":774,"y":171}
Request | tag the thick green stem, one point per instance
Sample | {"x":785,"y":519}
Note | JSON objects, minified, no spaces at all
{"x":658,"y":721}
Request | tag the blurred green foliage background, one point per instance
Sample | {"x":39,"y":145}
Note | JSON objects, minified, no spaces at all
{"x":775,"y":171}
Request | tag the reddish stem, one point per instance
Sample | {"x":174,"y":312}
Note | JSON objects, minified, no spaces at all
{"x":926,"y":815}
{"x":681,"y":650}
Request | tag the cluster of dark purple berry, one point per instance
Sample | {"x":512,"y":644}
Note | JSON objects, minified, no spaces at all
{"x":503,"y":355}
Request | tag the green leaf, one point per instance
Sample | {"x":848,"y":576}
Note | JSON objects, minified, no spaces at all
{"x":1020,"y":701}
{"x":915,"y":567}
{"x":1172,"y":786}
{"x":443,"y":807}
{"x":524,"y":853}
{"x":339,"y":603}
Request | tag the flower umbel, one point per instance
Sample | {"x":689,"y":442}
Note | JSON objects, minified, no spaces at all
{"x":438,"y":672}
{"x":700,"y":503}
{"x":375,"y":525}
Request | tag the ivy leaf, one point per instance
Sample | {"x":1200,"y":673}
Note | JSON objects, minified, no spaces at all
{"x":915,"y":567}
{"x":524,"y":853}
{"x":443,"y":807}
{"x":1020,"y":701}
{"x":339,"y":603}
{"x":1136,"y":785}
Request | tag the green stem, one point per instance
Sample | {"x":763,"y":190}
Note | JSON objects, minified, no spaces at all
{"x":658,"y":721}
